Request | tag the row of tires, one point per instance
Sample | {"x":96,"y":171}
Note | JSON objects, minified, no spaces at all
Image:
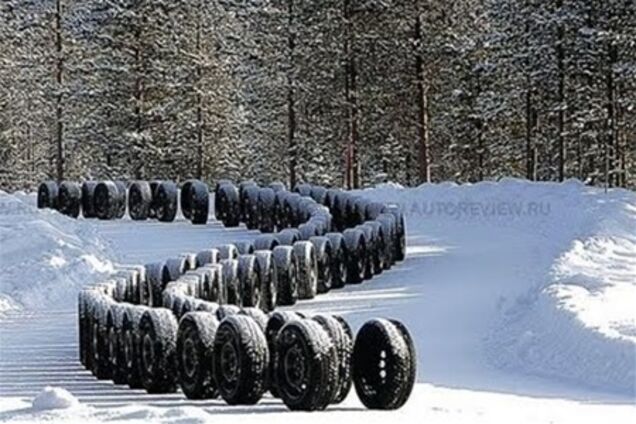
{"x":240,"y":353}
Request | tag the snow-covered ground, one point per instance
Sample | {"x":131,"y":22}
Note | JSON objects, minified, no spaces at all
{"x":521,"y":298}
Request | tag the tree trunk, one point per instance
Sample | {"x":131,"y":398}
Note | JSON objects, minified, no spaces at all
{"x":139,"y":98}
{"x":351,"y":166}
{"x":560,"y":51}
{"x":199,"y":100}
{"x":610,"y":149}
{"x":423,"y":111}
{"x":291,"y":112}
{"x":59,"y":70}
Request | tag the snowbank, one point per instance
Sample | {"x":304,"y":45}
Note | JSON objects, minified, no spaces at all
{"x":53,"y":398}
{"x":564,"y":310}
{"x":45,"y":257}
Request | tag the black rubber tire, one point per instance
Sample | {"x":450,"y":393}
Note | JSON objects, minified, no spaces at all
{"x":166,"y":201}
{"x":305,"y":366}
{"x":338,"y":210}
{"x":158,"y":333}
{"x":131,"y":342}
{"x":319,"y":194}
{"x":351,"y":219}
{"x":400,"y":236}
{"x":69,"y":198}
{"x":107,"y":198}
{"x":139,"y":200}
{"x":225,"y":311}
{"x":307,"y":231}
{"x":88,"y":199}
{"x":100,"y":361}
{"x":157,"y":277}
{"x":277,"y":186}
{"x":231,"y":282}
{"x":287,"y":270}
{"x":206,"y":257}
{"x":379,"y":246}
{"x":227,"y":205}
{"x":48,"y":195}
{"x":303,"y":189}
{"x":370,"y":243}
{"x":280,"y":218}
{"x":410,"y":382}
{"x":374,"y":209}
{"x":152,"y":211}
{"x":228,"y":251}
{"x":241,"y":191}
{"x":388,"y":223}
{"x":305,"y":255}
{"x":357,"y":255}
{"x":195,"y":350}
{"x":244,"y":247}
{"x":275,"y":322}
{"x":266,"y":242}
{"x":249,"y":280}
{"x":180,"y":265}
{"x":288,"y":236}
{"x":382,"y":365}
{"x":346,"y":362}
{"x":241,"y":360}
{"x":344,"y":348}
{"x":122,"y":189}
{"x":339,"y":260}
{"x":257,"y":315}
{"x":185,"y":199}
{"x":291,"y":209}
{"x":114,"y":334}
{"x":324,"y":259}
{"x":267,"y":219}
{"x":360,"y":210}
{"x":199,"y":202}
{"x":269,"y":279}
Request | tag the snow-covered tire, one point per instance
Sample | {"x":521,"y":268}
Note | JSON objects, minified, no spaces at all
{"x":389,"y":227}
{"x":249,"y":280}
{"x":166,"y":201}
{"x":206,"y":257}
{"x":305,"y":256}
{"x":400,"y":236}
{"x":225,"y":311}
{"x":227,"y":205}
{"x":275,"y":322}
{"x":257,"y":315}
{"x":307,"y":231}
{"x":122,"y":189}
{"x":360,"y":210}
{"x":370,"y":243}
{"x":241,"y":360}
{"x":412,"y":373}
{"x":319,"y":194}
{"x":227,"y":251}
{"x":306,"y":366}
{"x":338,"y":209}
{"x":212,"y":288}
{"x":131,"y":345}
{"x":379,"y":246}
{"x":288,"y":236}
{"x":324,"y":259}
{"x":244,"y":247}
{"x":100,"y":361}
{"x":373,"y":210}
{"x":197,"y":199}
{"x":268,"y":278}
{"x":357,"y":255}
{"x":69,"y":198}
{"x":339,"y":260}
{"x":114,"y":329}
{"x":280,"y":218}
{"x":291,"y":209}
{"x":287,"y":272}
{"x":303,"y":189}
{"x":266,"y":242}
{"x":277,"y":186}
{"x":48,"y":195}
{"x":158,"y":333}
{"x":382,"y":365}
{"x":88,"y":199}
{"x":157,"y":276}
{"x":344,"y":348}
{"x":107,"y":199}
{"x":250,"y":209}
{"x":267,"y":222}
{"x":231,"y":282}
{"x":185,"y":199}
{"x":195,"y":350}
{"x":180,"y":265}
{"x":139,"y":200}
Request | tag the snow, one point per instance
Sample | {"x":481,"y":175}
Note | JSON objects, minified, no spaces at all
{"x":53,"y":398}
{"x":519,"y":296}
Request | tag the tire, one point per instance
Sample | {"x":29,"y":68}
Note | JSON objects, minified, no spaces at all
{"x":152,"y":212}
{"x":360,"y":210}
{"x":287,"y":270}
{"x":346,"y":362}
{"x":131,"y":342}
{"x":379,"y":246}
{"x":288,"y":237}
{"x":276,"y":321}
{"x":357,"y":254}
{"x":132,"y":293}
{"x":195,"y":350}
{"x":268,"y":278}
{"x":207,"y":257}
{"x":227,"y":206}
{"x":249,"y":280}
{"x":374,"y":209}
{"x":280,"y":218}
{"x":351,"y":219}
{"x":339,"y":210}
{"x":343,"y":344}
{"x":199,"y":202}
{"x":114,"y":329}
{"x":244,"y":247}
{"x":303,"y":189}
{"x":277,"y":186}
{"x":265,"y":242}
{"x":410,"y":382}
{"x":214,"y":289}
{"x":48,"y":195}
{"x":291,"y":209}
{"x":400,"y":236}
{"x":120,"y":211}
{"x":225,"y":311}
{"x":370,"y":244}
{"x":185,"y":199}
{"x":382,"y":365}
{"x":319,"y":194}
{"x":257,"y":315}
{"x":227,"y":251}
{"x":69,"y":199}
{"x":389,"y":226}
{"x":107,"y":199}
{"x":305,"y":256}
{"x":100,"y":361}
{"x":165,"y":200}
{"x":88,"y":199}
{"x":231,"y":282}
{"x":139,"y":200}
{"x":157,"y":277}
{"x":251,"y":215}
{"x":158,"y":333}
{"x":180,"y":265}
{"x":267,"y":221}
{"x":307,"y":231}
{"x":305,"y":366}
{"x":339,"y":260}
{"x":241,"y":360}
{"x":324,"y":259}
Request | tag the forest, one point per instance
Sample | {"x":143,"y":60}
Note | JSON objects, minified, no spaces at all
{"x":334,"y":92}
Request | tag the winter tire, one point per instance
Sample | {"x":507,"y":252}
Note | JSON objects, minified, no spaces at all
{"x":88,"y":199}
{"x":287,"y":272}
{"x":48,"y":195}
{"x":245,"y":247}
{"x":157,"y":277}
{"x":324,"y":259}
{"x":230,"y":281}
{"x":139,"y":200}
{"x":357,"y":254}
{"x":158,"y":333}
{"x":339,"y":260}
{"x":227,"y":251}
{"x":131,"y":342}
{"x":266,"y":197}
{"x":227,"y":205}
{"x":268,"y":278}
{"x":166,"y":201}
{"x":107,"y":199}
{"x":305,"y":256}
{"x":249,"y":280}
{"x":288,"y":237}
{"x":265,"y":242}
{"x":69,"y":199}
